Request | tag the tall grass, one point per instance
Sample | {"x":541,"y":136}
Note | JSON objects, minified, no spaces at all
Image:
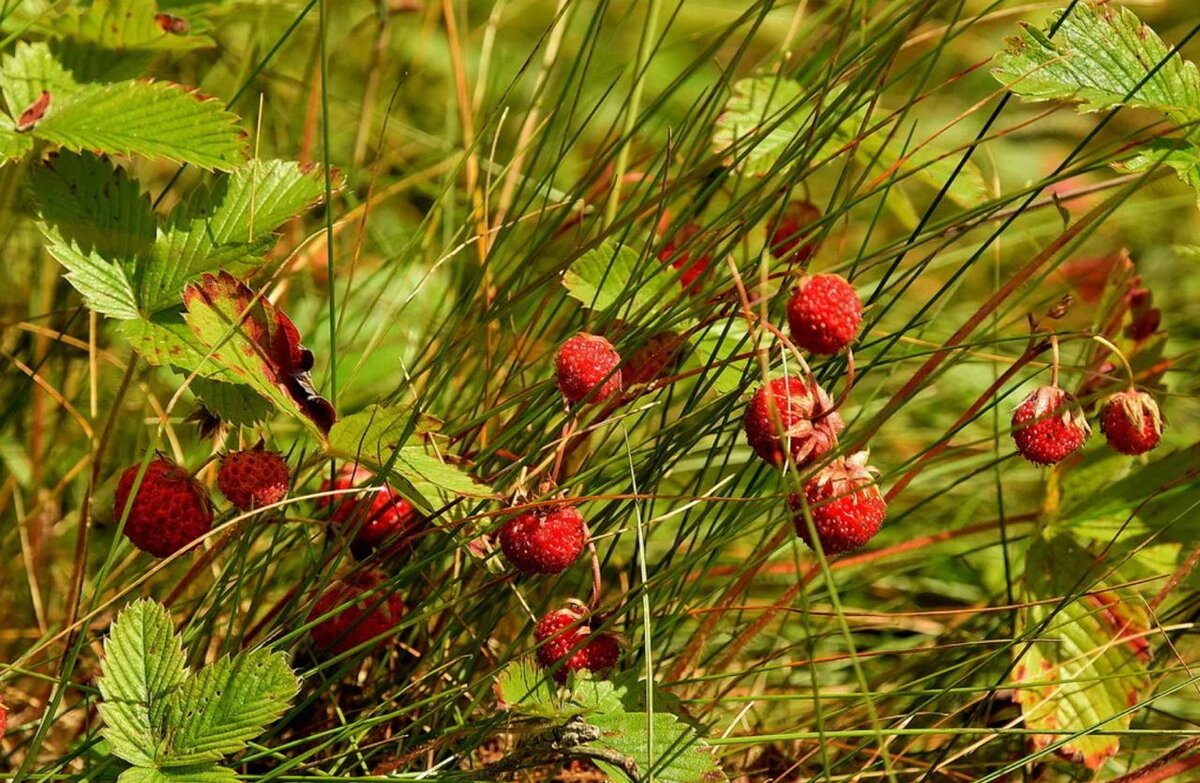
{"x":488,"y":146}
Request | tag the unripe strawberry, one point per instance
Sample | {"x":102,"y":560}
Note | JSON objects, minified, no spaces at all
{"x":253,"y":478}
{"x":377,"y":517}
{"x":560,"y":632}
{"x":678,"y":253}
{"x":364,"y":612}
{"x":543,"y":541}
{"x":586,"y":367}
{"x":1048,"y":426}
{"x":846,"y":506}
{"x":788,"y":233}
{"x":1131,"y":422}
{"x":824,"y":314}
{"x":170,"y":511}
{"x":809,"y":424}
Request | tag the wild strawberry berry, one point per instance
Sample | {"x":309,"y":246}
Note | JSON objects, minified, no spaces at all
{"x":586,"y":367}
{"x":656,"y":359}
{"x":788,"y":416}
{"x":253,"y":478}
{"x":543,"y":541}
{"x":824,"y":314}
{"x":360,"y":609}
{"x":845,"y":504}
{"x":170,"y":511}
{"x":788,"y":233}
{"x":678,"y":253}
{"x":3,"y":719}
{"x":375,"y":517}
{"x":1048,"y":426}
{"x":561,"y":636}
{"x":1131,"y":422}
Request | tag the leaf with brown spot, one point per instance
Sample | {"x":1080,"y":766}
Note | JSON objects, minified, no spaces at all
{"x":34,"y":112}
{"x":1086,"y":667}
{"x":247,"y":335}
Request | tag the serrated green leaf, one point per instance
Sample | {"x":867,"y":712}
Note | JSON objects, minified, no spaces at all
{"x":1099,"y":55}
{"x":680,"y":754}
{"x":13,"y":145}
{"x":524,"y":688}
{"x":1179,"y":155}
{"x":1087,"y":665}
{"x":29,"y":70}
{"x":762,"y":118}
{"x":95,"y":206}
{"x":379,"y":435}
{"x":164,"y":339}
{"x":204,"y":773}
{"x":143,"y":665}
{"x":233,"y":403}
{"x":104,"y":284}
{"x":214,"y":713}
{"x":154,"y":119}
{"x":613,"y":273}
{"x":257,"y":344}
{"x":229,"y":226}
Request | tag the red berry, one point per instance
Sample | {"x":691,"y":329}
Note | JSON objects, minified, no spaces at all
{"x":656,"y":359}
{"x":365,"y":612}
{"x":824,"y":314}
{"x":376,"y":517}
{"x":676,"y":253}
{"x":805,"y":413}
{"x":1048,"y":426}
{"x":788,"y":233}
{"x":3,"y":719}
{"x":560,"y":632}
{"x":543,"y":542}
{"x":253,"y":478}
{"x":1131,"y":422}
{"x":585,"y":363}
{"x":845,"y":504}
{"x":170,"y":511}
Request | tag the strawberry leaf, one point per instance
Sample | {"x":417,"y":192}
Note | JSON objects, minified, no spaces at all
{"x":247,"y":336}
{"x":1087,"y":665}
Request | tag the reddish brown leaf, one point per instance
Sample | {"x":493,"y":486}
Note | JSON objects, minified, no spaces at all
{"x":266,"y":351}
{"x":34,"y":112}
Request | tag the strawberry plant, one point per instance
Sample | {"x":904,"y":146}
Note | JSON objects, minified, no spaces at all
{"x":591,"y":390}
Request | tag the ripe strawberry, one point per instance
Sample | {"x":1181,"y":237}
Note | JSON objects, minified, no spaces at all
{"x":543,"y":541}
{"x":1048,"y":426}
{"x":253,"y":478}
{"x":788,"y":233}
{"x":676,"y":253}
{"x":365,"y":611}
{"x":846,"y":506}
{"x":656,"y":359}
{"x":377,"y":517}
{"x":3,"y":719}
{"x":560,"y":632}
{"x":586,"y":366}
{"x":805,"y":412}
{"x":1131,"y":422}
{"x":169,"y":512}
{"x":824,"y":314}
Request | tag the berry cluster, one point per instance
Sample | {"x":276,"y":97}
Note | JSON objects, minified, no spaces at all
{"x":1049,"y":425}
{"x":172,"y":511}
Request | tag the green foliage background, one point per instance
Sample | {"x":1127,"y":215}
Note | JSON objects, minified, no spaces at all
{"x":466,"y":154}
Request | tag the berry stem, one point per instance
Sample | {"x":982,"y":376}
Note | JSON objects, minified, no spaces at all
{"x":1054,"y":360}
{"x":1121,"y":356}
{"x":597,"y":578}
